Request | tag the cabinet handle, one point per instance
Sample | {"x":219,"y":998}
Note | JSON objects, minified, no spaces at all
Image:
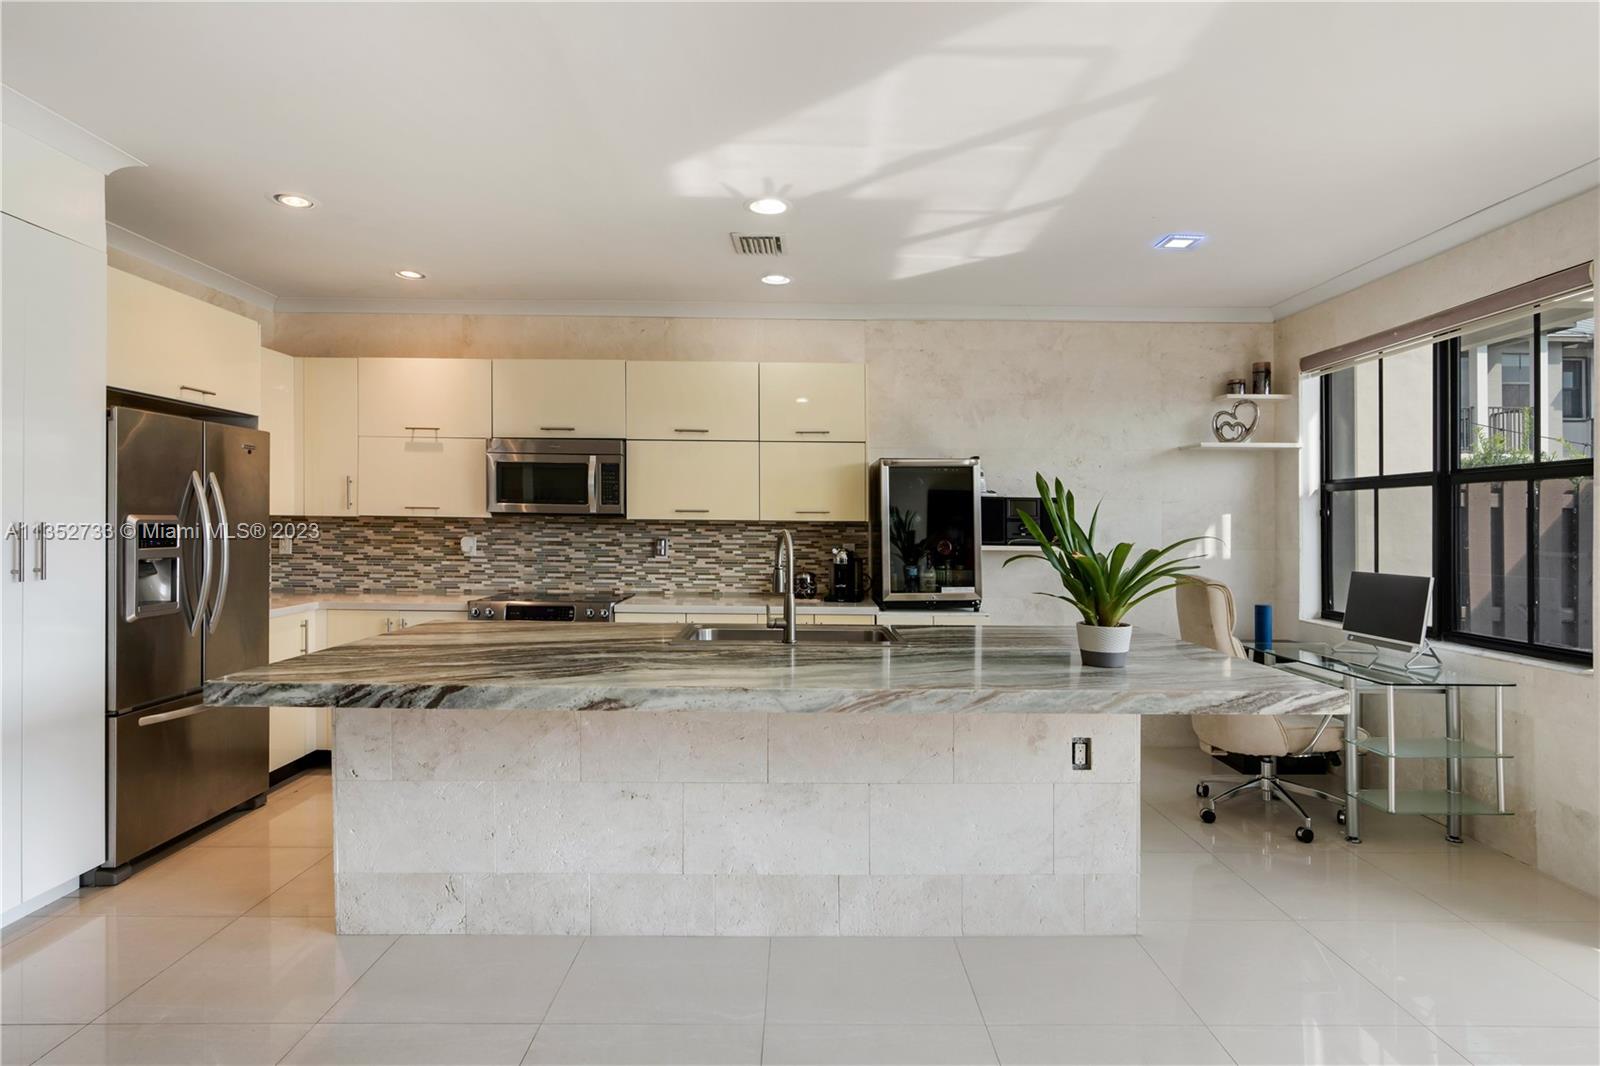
{"x":388,"y":625}
{"x":557,"y":429}
{"x":813,"y":512}
{"x":38,"y":562}
{"x":405,"y":624}
{"x":19,"y":551}
{"x":691,"y":510}
{"x":431,"y":429}
{"x":349,"y":492}
{"x":812,"y":432}
{"x":683,"y":430}
{"x":305,"y":636}
{"x":191,"y":388}
{"x":422,"y":507}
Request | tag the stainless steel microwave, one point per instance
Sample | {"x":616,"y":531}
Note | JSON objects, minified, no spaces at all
{"x":536,"y":476}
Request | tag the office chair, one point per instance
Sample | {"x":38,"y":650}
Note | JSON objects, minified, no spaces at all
{"x":1206,"y":617}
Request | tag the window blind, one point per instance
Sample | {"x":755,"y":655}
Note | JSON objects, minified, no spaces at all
{"x":1505,"y":304}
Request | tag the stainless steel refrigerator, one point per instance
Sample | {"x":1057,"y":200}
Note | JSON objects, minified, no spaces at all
{"x":187,"y":602}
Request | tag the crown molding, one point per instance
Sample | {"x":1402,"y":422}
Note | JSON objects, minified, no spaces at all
{"x":1562,"y":187}
{"x":848,"y":312}
{"x":133,"y":244}
{"x":65,"y":136}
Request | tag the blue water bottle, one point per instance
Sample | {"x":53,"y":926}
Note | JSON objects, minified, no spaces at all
{"x":1263,"y":625}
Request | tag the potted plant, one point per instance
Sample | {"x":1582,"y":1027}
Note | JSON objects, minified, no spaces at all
{"x":1103,"y":586}
{"x":905,"y":543}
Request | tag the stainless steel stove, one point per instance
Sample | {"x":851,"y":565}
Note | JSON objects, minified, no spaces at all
{"x":585,"y":606}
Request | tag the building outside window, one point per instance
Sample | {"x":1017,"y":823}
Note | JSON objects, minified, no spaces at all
{"x":1471,"y":459}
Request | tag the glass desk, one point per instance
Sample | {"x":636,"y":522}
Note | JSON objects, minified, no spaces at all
{"x":1363,"y":668}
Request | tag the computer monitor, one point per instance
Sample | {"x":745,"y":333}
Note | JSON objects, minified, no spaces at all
{"x":1390,"y":610}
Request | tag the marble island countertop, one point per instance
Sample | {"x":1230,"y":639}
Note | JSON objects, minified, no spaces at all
{"x":551,"y":666}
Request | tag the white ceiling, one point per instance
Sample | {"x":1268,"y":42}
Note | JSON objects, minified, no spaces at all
{"x":937,"y":155}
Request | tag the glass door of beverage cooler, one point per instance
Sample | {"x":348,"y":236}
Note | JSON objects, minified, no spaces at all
{"x":928,"y":538}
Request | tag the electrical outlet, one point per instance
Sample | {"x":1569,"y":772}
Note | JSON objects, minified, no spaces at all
{"x":1080,"y":753}
{"x":285,"y":545}
{"x":469,"y":545}
{"x":663,"y":547}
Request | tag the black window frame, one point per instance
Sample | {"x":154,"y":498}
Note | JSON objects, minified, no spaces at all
{"x":1447,"y":480}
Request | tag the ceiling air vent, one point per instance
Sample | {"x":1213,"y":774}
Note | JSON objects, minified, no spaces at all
{"x":757,"y":243}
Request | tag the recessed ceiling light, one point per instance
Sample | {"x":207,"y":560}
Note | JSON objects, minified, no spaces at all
{"x":775,"y":279}
{"x":802,"y":399}
{"x":1179,"y":241}
{"x":768,"y":205}
{"x":410,"y":275}
{"x":294,"y":199}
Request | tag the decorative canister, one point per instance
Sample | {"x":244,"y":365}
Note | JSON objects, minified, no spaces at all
{"x":1236,"y":386}
{"x":1261,"y":378}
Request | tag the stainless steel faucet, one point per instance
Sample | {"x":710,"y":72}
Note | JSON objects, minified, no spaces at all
{"x":783,"y":581}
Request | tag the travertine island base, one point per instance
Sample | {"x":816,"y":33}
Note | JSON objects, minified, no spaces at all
{"x":546,"y":778}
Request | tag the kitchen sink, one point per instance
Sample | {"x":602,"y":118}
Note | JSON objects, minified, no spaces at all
{"x":812,"y":634}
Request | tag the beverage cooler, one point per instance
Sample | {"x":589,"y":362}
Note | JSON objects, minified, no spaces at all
{"x":925,"y":533}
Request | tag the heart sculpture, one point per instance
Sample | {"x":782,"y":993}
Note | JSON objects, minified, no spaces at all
{"x":1229,"y":428}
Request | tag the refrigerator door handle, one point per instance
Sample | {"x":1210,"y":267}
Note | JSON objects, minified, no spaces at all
{"x":195,"y":486}
{"x":173,"y":716}
{"x":226,"y":536}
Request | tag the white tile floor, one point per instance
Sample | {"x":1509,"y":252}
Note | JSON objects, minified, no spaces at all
{"x":1253,"y":949}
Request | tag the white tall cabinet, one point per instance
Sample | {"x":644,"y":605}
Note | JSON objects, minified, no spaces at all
{"x":282,"y":401}
{"x":52,"y":477}
{"x":328,"y":443}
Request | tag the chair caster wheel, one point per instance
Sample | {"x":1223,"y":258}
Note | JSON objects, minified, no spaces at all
{"x":1304,"y":835}
{"x":1202,"y":790}
{"x":1339,"y":816}
{"x":1208,"y":816}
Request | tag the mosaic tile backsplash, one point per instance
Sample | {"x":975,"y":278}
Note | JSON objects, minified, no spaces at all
{"x":550,"y":552}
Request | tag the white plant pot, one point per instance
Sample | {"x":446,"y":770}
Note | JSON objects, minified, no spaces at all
{"x":1104,"y":645}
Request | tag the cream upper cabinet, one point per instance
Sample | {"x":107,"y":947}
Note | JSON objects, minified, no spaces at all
{"x":163,"y":343}
{"x":814,"y":401}
{"x":693,"y":480}
{"x":281,"y":401}
{"x":328,"y":437}
{"x":560,"y":398}
{"x":424,"y":397}
{"x":672,"y":400}
{"x":423,"y":478}
{"x":813,"y":482}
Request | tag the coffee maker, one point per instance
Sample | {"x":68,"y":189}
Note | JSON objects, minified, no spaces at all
{"x":848,"y":586}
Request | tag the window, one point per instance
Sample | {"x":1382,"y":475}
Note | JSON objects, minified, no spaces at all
{"x":1574,"y":389}
{"x":1472,"y":460}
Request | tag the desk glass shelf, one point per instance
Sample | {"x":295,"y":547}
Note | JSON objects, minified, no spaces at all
{"x":1428,"y":801}
{"x":1366,"y":665}
{"x":1426,"y":748}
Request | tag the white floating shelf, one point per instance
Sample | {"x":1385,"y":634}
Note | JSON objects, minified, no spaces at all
{"x":1249,"y":445}
{"x":1264,"y":398}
